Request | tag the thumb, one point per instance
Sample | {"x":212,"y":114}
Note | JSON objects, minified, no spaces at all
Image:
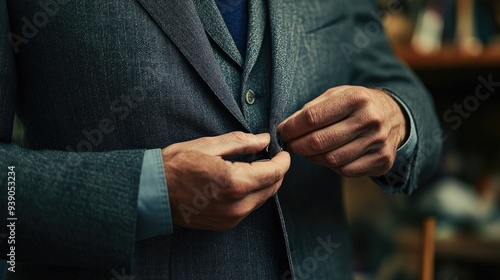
{"x":233,"y":143}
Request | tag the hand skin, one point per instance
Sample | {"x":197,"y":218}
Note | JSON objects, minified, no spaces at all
{"x":209,"y":193}
{"x":353,"y":130}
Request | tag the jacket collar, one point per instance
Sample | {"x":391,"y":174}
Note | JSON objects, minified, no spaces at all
{"x":180,"y":21}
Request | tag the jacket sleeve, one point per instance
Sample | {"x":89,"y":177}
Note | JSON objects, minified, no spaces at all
{"x":71,"y":209}
{"x":374,"y":65}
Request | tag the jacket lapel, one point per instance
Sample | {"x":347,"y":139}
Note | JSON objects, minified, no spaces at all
{"x":216,"y":28}
{"x":257,"y":21}
{"x":180,"y":21}
{"x":285,"y":33}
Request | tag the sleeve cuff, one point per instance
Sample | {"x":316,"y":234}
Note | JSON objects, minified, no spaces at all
{"x":407,"y":149}
{"x":154,"y":217}
{"x":400,"y":171}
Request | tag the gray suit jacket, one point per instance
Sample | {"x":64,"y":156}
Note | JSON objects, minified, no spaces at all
{"x":98,"y":82}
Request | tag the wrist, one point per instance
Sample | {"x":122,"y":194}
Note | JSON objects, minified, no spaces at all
{"x":399,"y":117}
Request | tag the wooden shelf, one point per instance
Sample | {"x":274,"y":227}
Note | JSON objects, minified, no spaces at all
{"x":449,"y":57}
{"x":460,"y":247}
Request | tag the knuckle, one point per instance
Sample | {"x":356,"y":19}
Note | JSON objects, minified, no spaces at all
{"x":334,"y":159}
{"x":238,"y":135}
{"x":386,"y":160}
{"x":378,"y":139}
{"x":374,"y":118}
{"x":360,"y":96}
{"x":311,"y":116}
{"x":274,"y":176}
{"x":274,"y":190}
{"x":204,"y":142}
{"x":377,"y":121}
{"x":235,"y":191}
{"x":372,"y":123}
{"x":307,"y":106}
{"x":174,"y":149}
{"x":237,"y":214}
{"x":317,"y":142}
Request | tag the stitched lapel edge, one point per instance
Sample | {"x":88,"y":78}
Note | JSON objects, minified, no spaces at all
{"x":180,"y":21}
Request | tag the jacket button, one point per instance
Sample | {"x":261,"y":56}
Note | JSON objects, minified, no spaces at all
{"x":250,"y":97}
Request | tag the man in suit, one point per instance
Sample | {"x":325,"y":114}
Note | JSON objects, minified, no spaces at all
{"x":159,"y":135}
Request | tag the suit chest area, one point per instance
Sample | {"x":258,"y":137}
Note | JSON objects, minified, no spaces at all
{"x":115,"y":39}
{"x":88,"y":59}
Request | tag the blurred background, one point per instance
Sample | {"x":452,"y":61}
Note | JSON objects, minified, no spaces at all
{"x":454,"y":47}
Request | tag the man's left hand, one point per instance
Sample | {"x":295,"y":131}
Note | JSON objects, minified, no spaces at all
{"x":353,"y":130}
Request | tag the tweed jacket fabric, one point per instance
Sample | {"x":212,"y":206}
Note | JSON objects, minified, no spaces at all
{"x":95,"y":83}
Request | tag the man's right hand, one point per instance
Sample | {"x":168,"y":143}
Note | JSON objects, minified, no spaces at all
{"x":207,"y":192}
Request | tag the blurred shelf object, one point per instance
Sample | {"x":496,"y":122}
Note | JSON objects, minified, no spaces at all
{"x":446,"y":34}
{"x":428,"y":249}
{"x":461,"y":247}
{"x":462,"y":256}
{"x":449,"y":67}
{"x":449,"y":57}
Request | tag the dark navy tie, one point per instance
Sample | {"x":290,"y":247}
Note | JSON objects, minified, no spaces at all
{"x":235,"y":14}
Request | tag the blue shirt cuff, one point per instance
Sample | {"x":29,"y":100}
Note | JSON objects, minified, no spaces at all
{"x":408,"y":148}
{"x":153,"y":207}
{"x":400,"y":172}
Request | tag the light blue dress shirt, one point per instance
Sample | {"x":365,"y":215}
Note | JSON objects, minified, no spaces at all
{"x":154,"y":217}
{"x":153,"y":206}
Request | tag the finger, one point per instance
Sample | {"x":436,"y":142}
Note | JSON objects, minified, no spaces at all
{"x":373,"y":164}
{"x":328,"y":94}
{"x":319,"y":99}
{"x":346,"y":153}
{"x":256,"y":199}
{"x":317,"y":116}
{"x":280,"y":126}
{"x":326,"y":139}
{"x":233,"y":143}
{"x":255,"y":176}
{"x":237,"y":210}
